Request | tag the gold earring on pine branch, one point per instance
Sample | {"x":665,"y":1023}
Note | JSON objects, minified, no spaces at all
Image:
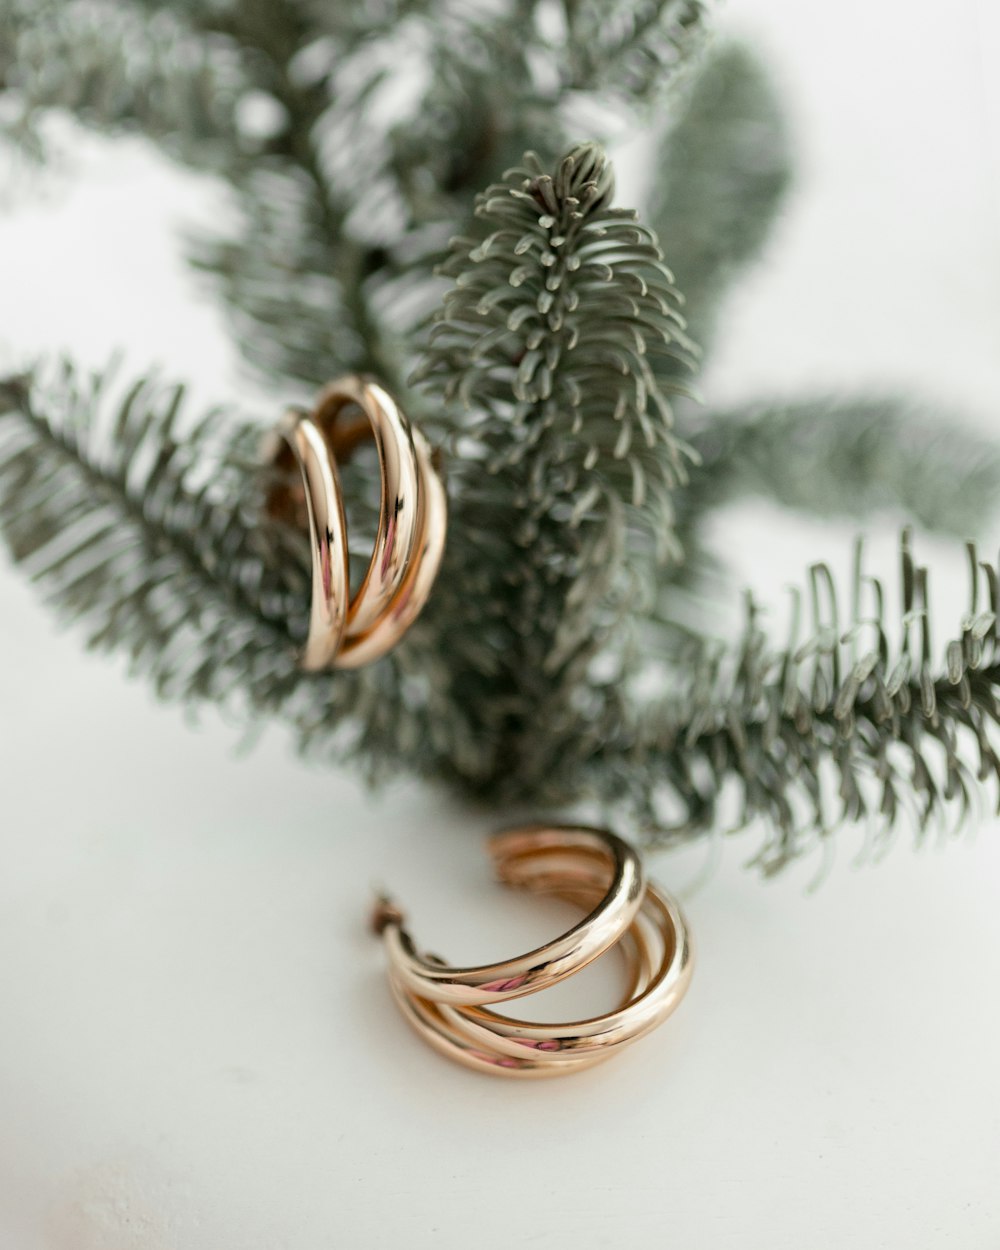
{"x":345,"y":630}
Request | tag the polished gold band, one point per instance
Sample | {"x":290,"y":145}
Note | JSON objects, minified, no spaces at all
{"x":587,"y":867}
{"x":346,"y":631}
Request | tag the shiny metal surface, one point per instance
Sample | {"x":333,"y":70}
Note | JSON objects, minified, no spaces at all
{"x":549,"y":964}
{"x":327,"y":540}
{"x":591,"y":868}
{"x":347,"y":631}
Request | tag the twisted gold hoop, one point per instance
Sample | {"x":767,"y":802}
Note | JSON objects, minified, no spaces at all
{"x":346,"y":631}
{"x":588,"y":867}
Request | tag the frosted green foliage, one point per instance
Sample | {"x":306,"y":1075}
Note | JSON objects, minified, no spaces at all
{"x":555,"y":324}
{"x":722,"y":171}
{"x":533,"y":584}
{"x":544,"y":346}
{"x":149,"y":528}
{"x":117,"y":69}
{"x":348,"y":175}
{"x":627,"y":48}
{"x":567,"y":652}
{"x":278,"y":276}
{"x":855,"y":719}
{"x":838,"y":456}
{"x":130,"y":523}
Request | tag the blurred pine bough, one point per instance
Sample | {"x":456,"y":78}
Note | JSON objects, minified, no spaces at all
{"x":391,"y":223}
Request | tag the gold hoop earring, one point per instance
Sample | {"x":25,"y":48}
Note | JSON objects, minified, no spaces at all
{"x":348,"y":631}
{"x":589,"y":867}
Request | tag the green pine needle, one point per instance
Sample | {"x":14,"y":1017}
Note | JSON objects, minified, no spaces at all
{"x":550,"y":665}
{"x":721,"y":177}
{"x":852,"y":720}
{"x":128,"y":522}
{"x":630,"y":49}
{"x":851,"y":457}
{"x":122,"y":71}
{"x":551,"y":334}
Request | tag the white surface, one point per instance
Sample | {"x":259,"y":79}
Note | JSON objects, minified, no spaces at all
{"x":197,"y":1050}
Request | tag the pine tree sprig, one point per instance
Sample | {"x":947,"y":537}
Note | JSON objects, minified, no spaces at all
{"x":852,"y":457}
{"x":630,"y":49}
{"x":851,"y":721}
{"x":152,"y":530}
{"x":278,"y":274}
{"x":541,"y":357}
{"x":127,"y":523}
{"x":119,"y":70}
{"x":560,"y":308}
{"x":722,"y":173}
{"x":553,"y":662}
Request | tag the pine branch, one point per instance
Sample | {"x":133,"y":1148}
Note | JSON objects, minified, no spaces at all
{"x":156,"y":537}
{"x":547,"y":534}
{"x":551,"y":334}
{"x":122,"y":519}
{"x":193,"y":82}
{"x":850,"y":457}
{"x":119,"y":70}
{"x":846,"y":725}
{"x":414,"y":149}
{"x":724,"y":167}
{"x":152,"y":530}
{"x":631,"y":48}
{"x":278,"y":276}
{"x":346,"y":200}
{"x":560,"y":305}
{"x":549,"y":373}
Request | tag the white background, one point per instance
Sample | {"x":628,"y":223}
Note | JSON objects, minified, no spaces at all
{"x":197,"y":1049}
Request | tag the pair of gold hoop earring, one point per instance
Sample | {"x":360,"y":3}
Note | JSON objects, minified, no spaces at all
{"x":452,"y":1007}
{"x":345,"y":630}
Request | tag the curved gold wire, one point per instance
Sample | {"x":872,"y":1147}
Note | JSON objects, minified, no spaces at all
{"x":548,"y":964}
{"x":348,"y":631}
{"x":581,"y":866}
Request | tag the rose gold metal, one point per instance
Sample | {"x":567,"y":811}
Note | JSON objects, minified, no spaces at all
{"x":541,"y":968}
{"x":588,"y":867}
{"x":348,"y":631}
{"x":327,"y":540}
